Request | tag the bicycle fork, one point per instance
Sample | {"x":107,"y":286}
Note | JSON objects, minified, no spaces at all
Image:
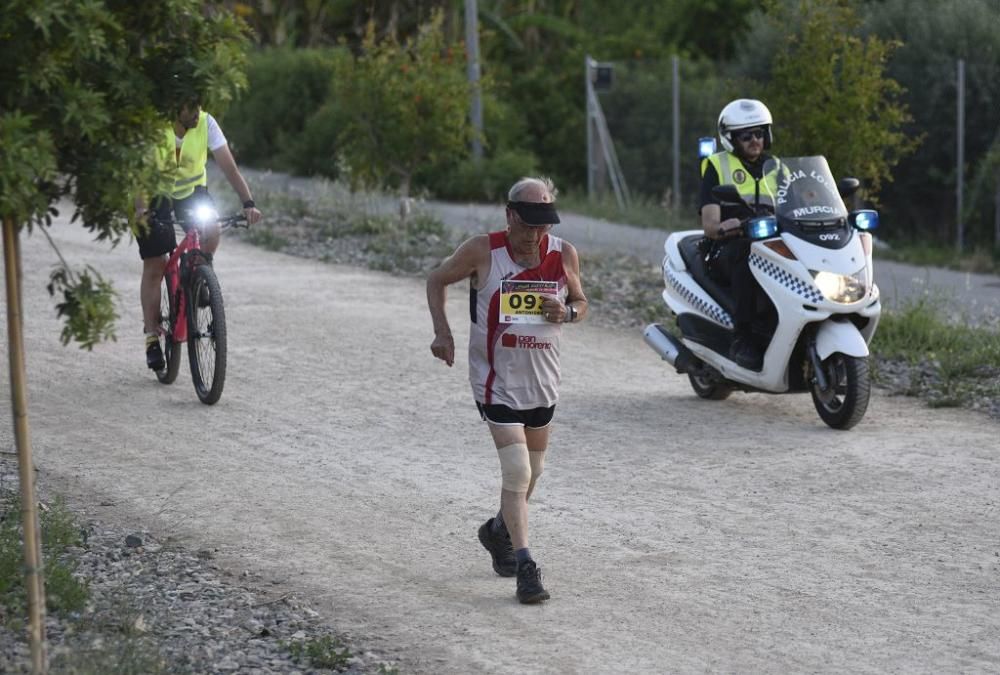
{"x":180,"y":325}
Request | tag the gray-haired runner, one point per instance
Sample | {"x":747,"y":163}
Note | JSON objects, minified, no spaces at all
{"x":525,"y":284}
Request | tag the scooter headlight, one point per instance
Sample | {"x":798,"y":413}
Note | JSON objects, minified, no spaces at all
{"x":842,"y":288}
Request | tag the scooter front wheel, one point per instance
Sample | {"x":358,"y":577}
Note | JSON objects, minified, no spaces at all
{"x":708,"y":388}
{"x":844,"y":401}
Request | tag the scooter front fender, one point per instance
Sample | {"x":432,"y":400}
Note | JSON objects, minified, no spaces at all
{"x":840,"y":336}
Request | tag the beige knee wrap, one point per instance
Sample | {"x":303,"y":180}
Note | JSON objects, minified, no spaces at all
{"x":515,"y":467}
{"x":537,"y":459}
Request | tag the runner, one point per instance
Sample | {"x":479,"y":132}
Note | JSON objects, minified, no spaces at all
{"x":525,"y":283}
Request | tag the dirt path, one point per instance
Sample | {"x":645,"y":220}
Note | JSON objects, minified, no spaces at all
{"x":344,"y":461}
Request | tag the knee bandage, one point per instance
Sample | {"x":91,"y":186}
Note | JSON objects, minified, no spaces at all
{"x":537,"y":460}
{"x":515,"y":467}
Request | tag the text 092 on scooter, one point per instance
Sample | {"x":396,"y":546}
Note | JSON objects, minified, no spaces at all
{"x":813,"y":261}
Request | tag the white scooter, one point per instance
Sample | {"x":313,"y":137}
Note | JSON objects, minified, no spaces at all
{"x":813,"y":260}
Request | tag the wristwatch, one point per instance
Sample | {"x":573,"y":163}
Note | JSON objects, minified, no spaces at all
{"x":570,"y":314}
{"x":249,"y":204}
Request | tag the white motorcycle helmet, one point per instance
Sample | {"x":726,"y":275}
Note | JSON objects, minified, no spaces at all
{"x":743,"y":113}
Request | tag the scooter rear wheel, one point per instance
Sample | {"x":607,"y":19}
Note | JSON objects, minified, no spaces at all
{"x":708,"y":388}
{"x":845,"y":401}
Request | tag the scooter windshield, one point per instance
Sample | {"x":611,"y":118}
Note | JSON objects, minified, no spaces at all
{"x":805,"y":190}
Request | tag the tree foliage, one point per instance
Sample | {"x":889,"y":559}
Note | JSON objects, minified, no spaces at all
{"x":407,"y":106}
{"x":88,"y":86}
{"x":830,"y":95}
{"x":933,"y":40}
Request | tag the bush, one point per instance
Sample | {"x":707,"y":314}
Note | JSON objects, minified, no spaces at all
{"x":314,"y":151}
{"x":287,"y":88}
{"x":487,"y":179}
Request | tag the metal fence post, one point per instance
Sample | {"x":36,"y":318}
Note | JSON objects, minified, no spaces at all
{"x":472,"y":55}
{"x":960,"y":168}
{"x":676,"y":200}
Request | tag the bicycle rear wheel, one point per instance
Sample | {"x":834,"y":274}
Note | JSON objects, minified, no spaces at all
{"x":207,"y":335}
{"x":171,"y":349}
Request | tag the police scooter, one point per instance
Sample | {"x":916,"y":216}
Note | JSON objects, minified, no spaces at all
{"x":813,"y":261}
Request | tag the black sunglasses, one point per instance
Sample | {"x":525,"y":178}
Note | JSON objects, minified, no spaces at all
{"x":745,"y":136}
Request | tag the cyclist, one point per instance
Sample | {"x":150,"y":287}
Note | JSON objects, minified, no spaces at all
{"x":745,"y":132}
{"x":182,"y":154}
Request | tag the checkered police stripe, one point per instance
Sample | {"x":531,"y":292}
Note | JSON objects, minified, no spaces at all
{"x":704,"y":306}
{"x":802,"y":288}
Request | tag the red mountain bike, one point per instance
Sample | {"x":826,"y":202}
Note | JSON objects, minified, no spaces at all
{"x":191,"y":311}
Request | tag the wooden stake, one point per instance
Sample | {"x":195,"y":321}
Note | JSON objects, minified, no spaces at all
{"x":33,"y":578}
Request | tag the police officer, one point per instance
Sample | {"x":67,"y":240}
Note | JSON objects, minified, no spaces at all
{"x":745,"y":133}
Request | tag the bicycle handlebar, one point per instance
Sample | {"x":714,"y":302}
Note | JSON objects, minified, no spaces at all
{"x":224,"y":222}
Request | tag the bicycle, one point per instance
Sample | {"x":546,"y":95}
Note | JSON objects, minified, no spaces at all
{"x":192,"y":311}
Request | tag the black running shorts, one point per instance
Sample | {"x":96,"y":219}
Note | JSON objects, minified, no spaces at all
{"x":502,"y":415}
{"x":160,"y":238}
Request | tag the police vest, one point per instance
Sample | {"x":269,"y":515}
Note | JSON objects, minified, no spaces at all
{"x":731,"y":171}
{"x":186,"y":170}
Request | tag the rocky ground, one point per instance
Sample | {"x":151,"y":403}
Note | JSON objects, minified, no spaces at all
{"x":156,"y":608}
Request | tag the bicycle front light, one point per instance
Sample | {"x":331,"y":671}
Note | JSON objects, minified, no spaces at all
{"x":842,"y":288}
{"x":205,"y":214}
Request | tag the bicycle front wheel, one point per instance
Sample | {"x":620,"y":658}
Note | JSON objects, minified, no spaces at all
{"x":207,"y":335}
{"x":171,"y":349}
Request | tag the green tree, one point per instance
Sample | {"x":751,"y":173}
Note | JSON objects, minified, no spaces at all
{"x":923,"y":193}
{"x":830,"y":95}
{"x":407,"y":105}
{"x":88,"y":86}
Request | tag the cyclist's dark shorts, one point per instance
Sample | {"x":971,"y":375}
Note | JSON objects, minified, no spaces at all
{"x":502,"y":415}
{"x":160,"y":238}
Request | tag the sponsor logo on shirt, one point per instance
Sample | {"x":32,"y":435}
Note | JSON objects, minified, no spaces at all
{"x":523,"y":342}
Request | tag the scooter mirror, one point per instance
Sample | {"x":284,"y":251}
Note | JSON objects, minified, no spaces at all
{"x":848,"y":186}
{"x":865,"y":219}
{"x":727,"y":194}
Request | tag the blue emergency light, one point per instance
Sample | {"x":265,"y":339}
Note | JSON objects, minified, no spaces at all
{"x":865,"y":219}
{"x":762,"y":227}
{"x":706,"y":146}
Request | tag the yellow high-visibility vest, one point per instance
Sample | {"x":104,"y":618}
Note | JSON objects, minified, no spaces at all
{"x":186,"y":168}
{"x":731,"y":171}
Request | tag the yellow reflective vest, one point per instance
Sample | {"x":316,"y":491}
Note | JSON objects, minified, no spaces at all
{"x":731,"y":171}
{"x":185,"y":170}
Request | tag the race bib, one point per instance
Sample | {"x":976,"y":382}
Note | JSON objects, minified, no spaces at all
{"x":521,"y":301}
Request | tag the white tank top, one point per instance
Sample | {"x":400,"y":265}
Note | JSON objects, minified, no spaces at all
{"x":515,"y":364}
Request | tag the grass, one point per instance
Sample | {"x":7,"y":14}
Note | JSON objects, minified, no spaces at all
{"x":978,"y":261}
{"x":322,"y":652}
{"x":642,"y":212}
{"x":64,"y":593}
{"x":955,"y":362}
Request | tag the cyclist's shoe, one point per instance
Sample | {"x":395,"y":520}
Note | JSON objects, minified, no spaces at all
{"x":498,"y":544}
{"x":154,"y":354}
{"x":204,"y":298}
{"x":529,"y":584}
